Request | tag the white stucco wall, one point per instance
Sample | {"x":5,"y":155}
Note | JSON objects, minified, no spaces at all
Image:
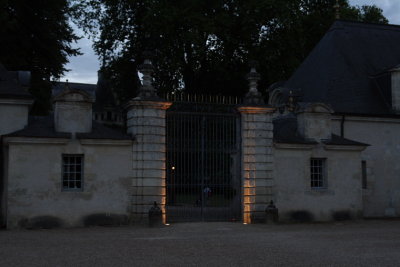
{"x":34,"y":181}
{"x":382,"y":158}
{"x":293,"y":192}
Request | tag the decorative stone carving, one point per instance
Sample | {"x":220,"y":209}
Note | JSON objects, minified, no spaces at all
{"x":253,"y":97}
{"x":147,"y":91}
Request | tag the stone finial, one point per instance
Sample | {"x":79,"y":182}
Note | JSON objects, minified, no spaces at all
{"x":253,"y":96}
{"x":337,"y":9}
{"x":147,"y":91}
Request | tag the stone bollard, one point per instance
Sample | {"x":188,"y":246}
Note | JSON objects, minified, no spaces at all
{"x":155,"y":216}
{"x":271,"y":213}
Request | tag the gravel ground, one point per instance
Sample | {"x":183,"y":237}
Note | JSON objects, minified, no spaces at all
{"x":365,"y":243}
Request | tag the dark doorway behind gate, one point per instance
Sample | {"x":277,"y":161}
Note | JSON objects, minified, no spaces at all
{"x":203,"y":163}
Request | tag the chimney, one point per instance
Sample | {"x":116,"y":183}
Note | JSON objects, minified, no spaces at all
{"x":395,"y":88}
{"x":73,"y":111}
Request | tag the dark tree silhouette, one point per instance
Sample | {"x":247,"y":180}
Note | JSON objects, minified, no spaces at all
{"x":37,"y":36}
{"x":204,"y":46}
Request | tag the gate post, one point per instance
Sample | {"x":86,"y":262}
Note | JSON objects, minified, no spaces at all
{"x":257,"y":157}
{"x":146,"y":116}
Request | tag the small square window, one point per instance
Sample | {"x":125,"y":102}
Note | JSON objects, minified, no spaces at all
{"x":318,"y":173}
{"x":72,"y":172}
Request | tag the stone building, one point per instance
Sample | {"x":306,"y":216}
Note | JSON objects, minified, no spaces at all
{"x":354,"y":69}
{"x":37,"y":150}
{"x":324,"y":148}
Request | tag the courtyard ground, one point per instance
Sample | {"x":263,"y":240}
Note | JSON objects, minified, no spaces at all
{"x":362,"y":243}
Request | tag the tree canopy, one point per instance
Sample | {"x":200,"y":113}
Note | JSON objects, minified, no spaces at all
{"x":37,"y":36}
{"x":203,"y":46}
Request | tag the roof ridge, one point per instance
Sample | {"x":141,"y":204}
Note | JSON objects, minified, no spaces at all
{"x":60,"y":82}
{"x":340,"y":22}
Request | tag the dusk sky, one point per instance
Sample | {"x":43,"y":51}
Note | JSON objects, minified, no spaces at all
{"x":84,"y":68}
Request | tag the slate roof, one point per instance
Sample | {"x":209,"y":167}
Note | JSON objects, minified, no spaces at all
{"x":100,"y":131}
{"x":86,"y":87}
{"x":9,"y":85}
{"x":285,"y":131}
{"x":43,"y":127}
{"x":348,"y":68}
{"x":337,"y":140}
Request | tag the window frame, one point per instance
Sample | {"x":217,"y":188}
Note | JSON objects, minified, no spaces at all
{"x":319,"y":170}
{"x":63,"y":173}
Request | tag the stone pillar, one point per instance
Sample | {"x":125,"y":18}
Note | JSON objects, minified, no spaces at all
{"x":257,"y":159}
{"x":257,"y":164}
{"x":146,"y":122}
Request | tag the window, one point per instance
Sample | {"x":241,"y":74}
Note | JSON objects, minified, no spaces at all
{"x":72,"y":172}
{"x":317,"y":172}
{"x":364,"y":174}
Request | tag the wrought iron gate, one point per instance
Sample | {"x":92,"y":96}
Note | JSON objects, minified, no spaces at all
{"x":203,"y":163}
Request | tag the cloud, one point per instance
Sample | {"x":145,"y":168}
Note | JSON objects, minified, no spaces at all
{"x":392,"y":11}
{"x":83,"y":69}
{"x":391,"y":8}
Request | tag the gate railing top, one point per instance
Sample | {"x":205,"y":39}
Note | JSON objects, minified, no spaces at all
{"x":200,"y":98}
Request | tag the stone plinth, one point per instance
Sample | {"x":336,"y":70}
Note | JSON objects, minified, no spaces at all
{"x":257,"y":166}
{"x":146,"y":122}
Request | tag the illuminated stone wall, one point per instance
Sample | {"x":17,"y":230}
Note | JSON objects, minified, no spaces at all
{"x":146,"y":122}
{"x":257,"y":166}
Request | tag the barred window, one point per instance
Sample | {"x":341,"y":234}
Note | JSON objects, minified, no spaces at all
{"x":317,"y":171}
{"x":72,"y":172}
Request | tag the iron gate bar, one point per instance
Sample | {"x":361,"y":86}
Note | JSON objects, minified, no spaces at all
{"x":203,"y":149}
{"x":202,"y":132}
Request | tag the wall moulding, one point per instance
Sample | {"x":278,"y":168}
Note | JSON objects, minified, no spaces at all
{"x":148,"y":104}
{"x":255,"y":109}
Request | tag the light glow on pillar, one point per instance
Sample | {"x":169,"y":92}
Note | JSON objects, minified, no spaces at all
{"x":163,"y":199}
{"x":249,"y":191}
